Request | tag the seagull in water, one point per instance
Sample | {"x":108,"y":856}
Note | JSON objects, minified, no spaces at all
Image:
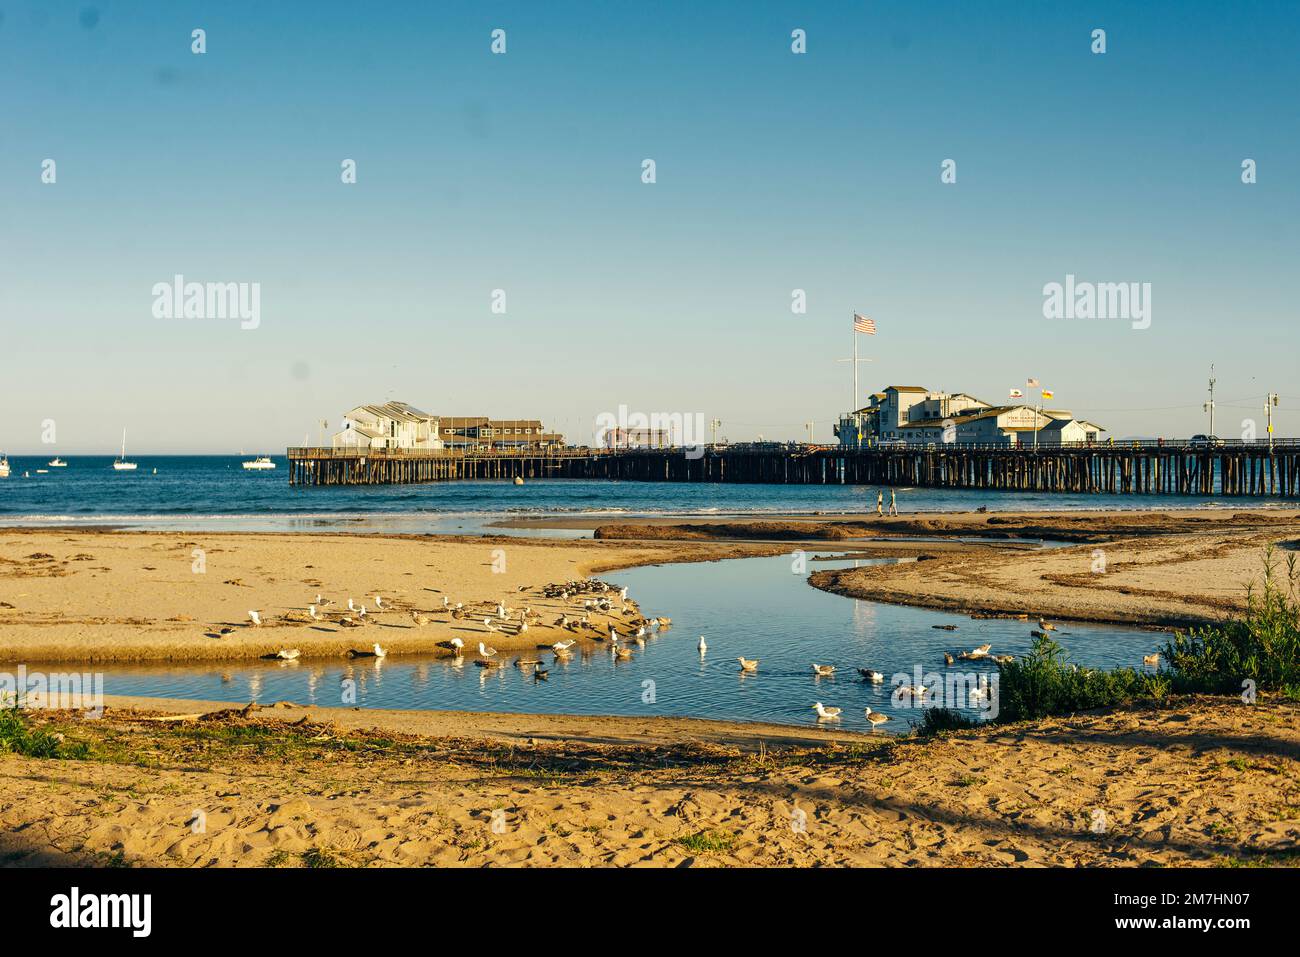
{"x":457,"y":644}
{"x":257,"y":619}
{"x":287,"y":655}
{"x":563,"y":645}
{"x":379,"y":652}
{"x":876,"y":718}
{"x":485,"y":651}
{"x":748,"y":665}
{"x":702,"y":647}
{"x":827,"y":714}
{"x":823,"y":671}
{"x":875,"y":677}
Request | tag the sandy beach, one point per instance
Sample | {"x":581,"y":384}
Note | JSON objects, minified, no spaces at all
{"x":1196,"y":782}
{"x":141,"y":596}
{"x":285,"y":785}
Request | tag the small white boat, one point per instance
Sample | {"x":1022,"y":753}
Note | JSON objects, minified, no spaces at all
{"x":120,"y":463}
{"x":4,"y":466}
{"x":261,"y":463}
{"x":57,"y":463}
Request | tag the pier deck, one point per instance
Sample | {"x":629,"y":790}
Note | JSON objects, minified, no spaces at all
{"x":1239,"y":469}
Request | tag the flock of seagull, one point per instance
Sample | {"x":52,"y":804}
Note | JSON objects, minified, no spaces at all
{"x":629,"y":627}
{"x":598,"y":598}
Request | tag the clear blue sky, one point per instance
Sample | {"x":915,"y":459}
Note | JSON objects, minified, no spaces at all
{"x":522,"y":172}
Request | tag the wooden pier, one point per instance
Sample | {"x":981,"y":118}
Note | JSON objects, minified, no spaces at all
{"x":1240,"y":469}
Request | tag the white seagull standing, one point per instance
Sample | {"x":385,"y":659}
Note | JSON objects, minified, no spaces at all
{"x":379,"y":652}
{"x":875,"y":717}
{"x":485,"y":651}
{"x":257,"y":619}
{"x":827,"y":714}
{"x":379,"y":602}
{"x":351,"y":606}
{"x":311,"y":610}
{"x":457,"y":644}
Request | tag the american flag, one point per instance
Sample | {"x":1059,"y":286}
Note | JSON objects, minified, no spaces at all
{"x":863,"y":324}
{"x":1032,"y":383}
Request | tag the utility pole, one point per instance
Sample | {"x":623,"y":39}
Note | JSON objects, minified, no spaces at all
{"x":1209,"y":406}
{"x":809,"y":426}
{"x":1270,"y":401}
{"x":714,"y":425}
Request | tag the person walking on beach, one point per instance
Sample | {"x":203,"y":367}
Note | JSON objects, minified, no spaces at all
{"x":880,"y":504}
{"x":893,"y":503}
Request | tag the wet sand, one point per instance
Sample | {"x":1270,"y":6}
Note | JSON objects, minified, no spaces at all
{"x":159,"y":596}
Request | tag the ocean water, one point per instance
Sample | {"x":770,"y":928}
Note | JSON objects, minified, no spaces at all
{"x":215,"y":493}
{"x":754,"y":607}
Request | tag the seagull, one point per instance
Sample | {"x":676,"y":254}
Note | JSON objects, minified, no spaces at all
{"x":485,"y":651}
{"x":457,"y":644}
{"x":523,"y":627}
{"x":351,"y":606}
{"x":379,"y":602}
{"x":948,"y":659}
{"x":875,"y":717}
{"x":487,"y":623}
{"x":982,"y":649}
{"x":361,"y":612}
{"x":827,"y":714}
{"x":875,"y":677}
{"x":916,"y":691}
{"x":311,"y":610}
{"x":257,"y":619}
{"x":287,"y":655}
{"x":379,"y":652}
{"x":823,"y":671}
{"x":1046,"y":625}
{"x":563,"y":645}
{"x":613,"y":635}
{"x":522,"y":588}
{"x":501,"y":611}
{"x":702,"y":646}
{"x":540,"y":673}
{"x":978,"y":694}
{"x":446,"y":602}
{"x":623,"y":654}
{"x":749,"y":665}
{"x":1151,"y":659}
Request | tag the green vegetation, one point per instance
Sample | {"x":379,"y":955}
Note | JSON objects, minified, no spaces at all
{"x":708,"y":842}
{"x":17,"y":736}
{"x":1262,"y":646}
{"x":937,"y":721}
{"x":1044,"y":683}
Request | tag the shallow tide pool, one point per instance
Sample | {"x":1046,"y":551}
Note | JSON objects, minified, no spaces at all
{"x":755,"y":607}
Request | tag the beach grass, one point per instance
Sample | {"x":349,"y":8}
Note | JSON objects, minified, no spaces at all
{"x":18,"y":736}
{"x":708,"y":842}
{"x":1262,"y":646}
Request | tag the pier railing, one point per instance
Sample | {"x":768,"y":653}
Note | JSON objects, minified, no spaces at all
{"x":1136,"y":468}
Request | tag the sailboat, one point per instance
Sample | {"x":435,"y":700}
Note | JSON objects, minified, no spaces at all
{"x":57,"y":463}
{"x":120,"y":463}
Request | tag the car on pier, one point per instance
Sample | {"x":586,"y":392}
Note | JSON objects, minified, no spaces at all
{"x":1205,"y":441}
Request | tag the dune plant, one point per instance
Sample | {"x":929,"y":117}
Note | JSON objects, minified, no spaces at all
{"x":1262,"y":646}
{"x":1044,"y":682}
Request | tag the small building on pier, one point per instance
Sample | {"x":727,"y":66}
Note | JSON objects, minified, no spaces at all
{"x":914,"y":416}
{"x":392,"y":425}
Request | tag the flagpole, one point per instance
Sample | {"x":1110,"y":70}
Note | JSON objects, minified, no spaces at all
{"x":853,"y":407}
